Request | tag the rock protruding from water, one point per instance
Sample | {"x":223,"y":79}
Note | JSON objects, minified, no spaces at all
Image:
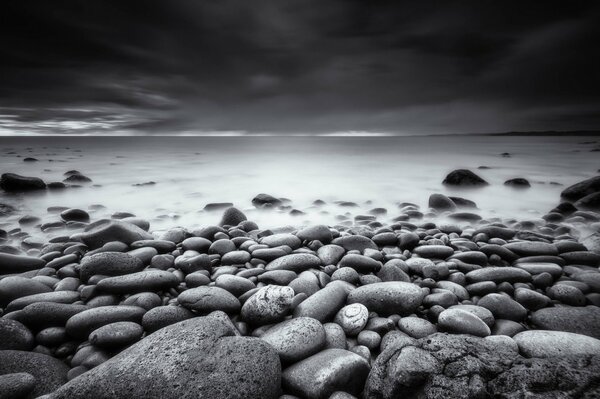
{"x":463,"y":177}
{"x":581,"y":189}
{"x":14,"y":183}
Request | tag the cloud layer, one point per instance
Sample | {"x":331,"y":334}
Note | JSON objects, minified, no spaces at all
{"x":298,"y":66}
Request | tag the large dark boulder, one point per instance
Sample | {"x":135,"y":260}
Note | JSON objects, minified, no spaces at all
{"x":14,"y":183}
{"x":581,"y":189}
{"x":196,"y":358}
{"x":50,"y":373}
{"x":265,"y":200}
{"x":463,"y":177}
{"x":464,"y":366}
{"x":590,"y":202}
{"x":232,"y":217}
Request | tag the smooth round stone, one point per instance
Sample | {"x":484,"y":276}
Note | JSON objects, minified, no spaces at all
{"x":479,"y":311}
{"x":535,"y":268}
{"x":334,"y":336}
{"x":499,"y":275}
{"x":198,"y":244}
{"x":370,"y":339}
{"x":330,"y":254}
{"x":507,"y":327}
{"x":317,"y":232}
{"x":15,"y":335}
{"x":109,"y":264}
{"x":544,"y":343}
{"x":13,"y":287}
{"x":471,"y":257}
{"x":581,"y":258}
{"x":444,"y":299}
{"x":147,"y":280}
{"x":49,"y":372}
{"x":416,"y":265}
{"x":296,"y":339}
{"x":416,"y":327}
{"x":306,"y":283}
{"x":163,"y":316}
{"x":360,"y":263}
{"x":346,"y":274}
{"x":144,"y":254}
{"x":530,"y":299}
{"x":567,"y":294}
{"x":191,"y":262}
{"x":196,"y":279}
{"x":146,"y":300}
{"x":235,"y":258}
{"x":503,"y":307}
{"x":207,"y":299}
{"x":10,"y":263}
{"x":234,"y":284}
{"x":385,"y":239}
{"x":388,"y":298}
{"x":590,"y":278}
{"x":433,"y":251}
{"x":277,"y":240}
{"x":323,"y":304}
{"x":268,"y":254}
{"x":391,"y":271}
{"x":269,"y":304}
{"x":352,"y":318}
{"x":162,"y":246}
{"x":83,"y":323}
{"x":458,"y":321}
{"x":74,"y":214}
{"x":294,"y":262}
{"x":232,"y":217}
{"x":326,"y":372}
{"x":41,"y":315}
{"x":116,"y":335}
{"x":481,"y":289}
{"x":579,"y":320}
{"x":531,"y":248}
{"x":16,"y":385}
{"x":457,"y":289}
{"x":56,"y":297}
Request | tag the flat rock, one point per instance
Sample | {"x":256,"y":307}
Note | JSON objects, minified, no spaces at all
{"x":13,"y":183}
{"x":460,"y":321}
{"x":163,"y":316}
{"x":147,"y":280}
{"x":196,"y":358}
{"x":294,"y":262}
{"x":208,"y":298}
{"x":499,"y":275}
{"x":531,"y":248}
{"x":82,"y":324}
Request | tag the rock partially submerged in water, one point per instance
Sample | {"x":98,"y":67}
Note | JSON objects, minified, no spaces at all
{"x":581,"y":189}
{"x":15,"y":183}
{"x":463,"y":177}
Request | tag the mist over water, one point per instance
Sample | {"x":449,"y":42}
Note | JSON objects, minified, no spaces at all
{"x":191,"y":172}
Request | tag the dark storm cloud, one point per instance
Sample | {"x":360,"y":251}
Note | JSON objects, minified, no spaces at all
{"x":297,"y":66}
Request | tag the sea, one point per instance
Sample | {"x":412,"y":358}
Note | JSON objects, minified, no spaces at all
{"x":170,"y":180}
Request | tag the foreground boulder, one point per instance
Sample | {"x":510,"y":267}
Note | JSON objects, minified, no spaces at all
{"x":14,"y":183}
{"x":196,"y":358}
{"x":581,"y":189}
{"x":579,"y":320}
{"x":463,"y":366}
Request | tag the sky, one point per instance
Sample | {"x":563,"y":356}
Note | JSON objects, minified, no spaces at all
{"x":295,"y":67}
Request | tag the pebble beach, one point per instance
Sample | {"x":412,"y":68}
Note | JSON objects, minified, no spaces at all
{"x":425,"y":300}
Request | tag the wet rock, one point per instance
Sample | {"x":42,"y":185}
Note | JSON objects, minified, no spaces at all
{"x":330,"y":254}
{"x":503,"y":307}
{"x":74,"y":214}
{"x":434,"y":251}
{"x":459,"y":321}
{"x":388,"y":297}
{"x":265,"y":200}
{"x":463,"y":177}
{"x":14,"y":287}
{"x":441,"y":202}
{"x":42,"y":315}
{"x":232,"y":217}
{"x":56,"y":297}
{"x":199,"y":357}
{"x":163,"y":316}
{"x":116,"y":335}
{"x":362,"y":264}
{"x":277,"y":240}
{"x":498,"y":275}
{"x":234,"y":284}
{"x":296,"y":339}
{"x":13,"y":183}
{"x":416,"y":327}
{"x":16,"y":385}
{"x":581,"y":189}
{"x":82,"y":324}
{"x":317,"y":232}
{"x":518,"y":182}
{"x":355,"y":242}
{"x":590,"y":202}
{"x":324,"y":304}
{"x":531,"y":248}
{"x":325,"y":373}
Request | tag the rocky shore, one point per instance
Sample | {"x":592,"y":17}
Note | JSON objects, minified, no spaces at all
{"x":420,"y":307}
